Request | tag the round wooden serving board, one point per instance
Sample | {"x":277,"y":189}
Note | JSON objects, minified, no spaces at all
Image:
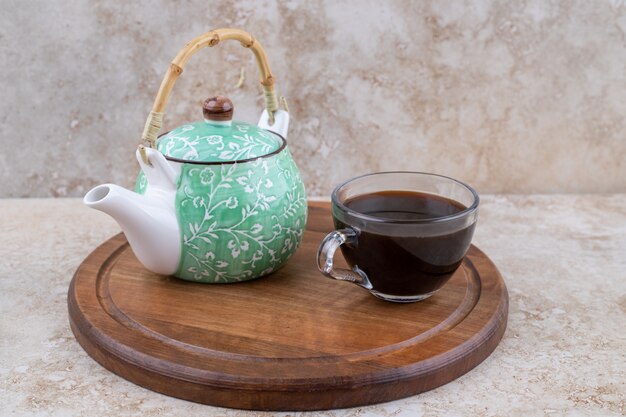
{"x":293,"y":340}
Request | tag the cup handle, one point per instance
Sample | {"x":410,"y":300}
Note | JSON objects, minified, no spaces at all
{"x":326,"y":253}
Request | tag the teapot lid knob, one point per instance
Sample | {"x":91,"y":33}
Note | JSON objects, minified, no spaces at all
{"x":217,"y":109}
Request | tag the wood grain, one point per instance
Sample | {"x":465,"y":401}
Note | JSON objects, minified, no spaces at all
{"x":293,"y":340}
{"x":217,"y":108}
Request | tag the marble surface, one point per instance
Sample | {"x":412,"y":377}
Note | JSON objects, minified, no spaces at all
{"x":519,"y":96}
{"x":564,"y":352}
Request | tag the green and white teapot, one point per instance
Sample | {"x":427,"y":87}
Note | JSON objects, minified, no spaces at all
{"x":216,"y":201}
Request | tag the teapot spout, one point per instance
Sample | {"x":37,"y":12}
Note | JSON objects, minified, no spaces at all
{"x":149,"y":223}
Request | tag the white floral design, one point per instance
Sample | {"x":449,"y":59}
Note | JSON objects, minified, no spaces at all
{"x":199,"y":142}
{"x":239,"y":221}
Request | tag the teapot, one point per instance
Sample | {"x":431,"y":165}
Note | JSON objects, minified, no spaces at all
{"x":216,"y":201}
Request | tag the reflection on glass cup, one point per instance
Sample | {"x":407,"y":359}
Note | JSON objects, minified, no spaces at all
{"x":402,"y":233}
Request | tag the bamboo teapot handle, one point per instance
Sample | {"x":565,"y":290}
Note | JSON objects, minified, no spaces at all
{"x":212,"y":38}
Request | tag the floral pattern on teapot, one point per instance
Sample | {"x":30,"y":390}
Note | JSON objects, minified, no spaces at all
{"x":239,"y":141}
{"x":238,"y":221}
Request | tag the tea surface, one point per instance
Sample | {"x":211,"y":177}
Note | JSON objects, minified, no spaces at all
{"x":404,"y":205}
{"x":401,"y":265}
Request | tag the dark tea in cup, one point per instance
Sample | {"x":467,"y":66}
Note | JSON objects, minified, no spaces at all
{"x":403,"y":233}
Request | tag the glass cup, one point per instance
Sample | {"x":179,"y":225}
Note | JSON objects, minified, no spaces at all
{"x":393,"y":235}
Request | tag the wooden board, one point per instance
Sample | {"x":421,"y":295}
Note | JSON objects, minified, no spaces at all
{"x":293,"y":340}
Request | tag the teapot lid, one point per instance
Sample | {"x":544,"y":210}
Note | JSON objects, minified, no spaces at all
{"x":218,"y":138}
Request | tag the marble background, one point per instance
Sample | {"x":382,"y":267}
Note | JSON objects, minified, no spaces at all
{"x":520,"y":97}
